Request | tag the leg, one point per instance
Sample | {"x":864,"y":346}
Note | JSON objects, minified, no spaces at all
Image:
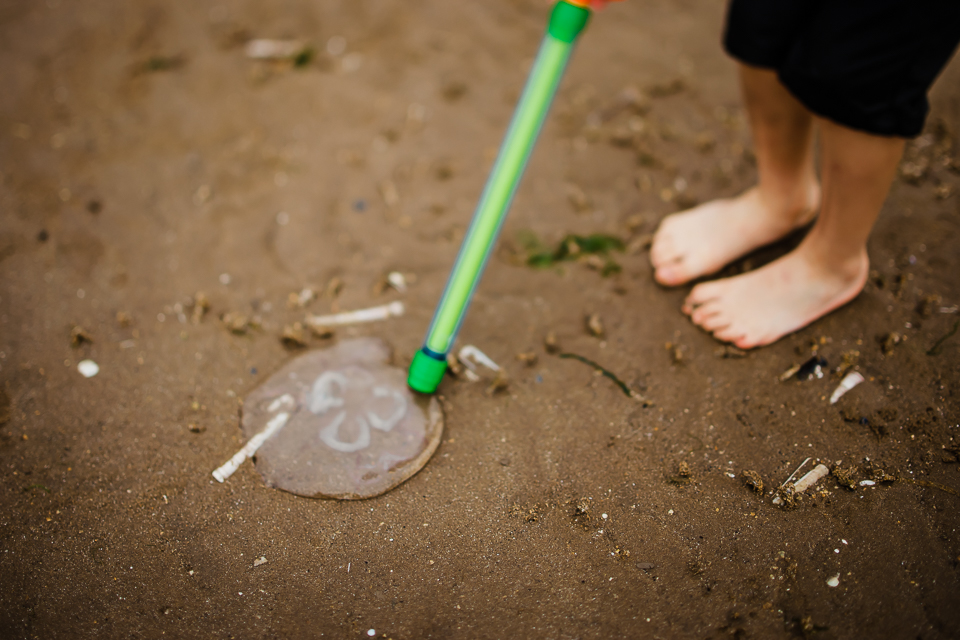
{"x":701,"y":241}
{"x":830,"y":266}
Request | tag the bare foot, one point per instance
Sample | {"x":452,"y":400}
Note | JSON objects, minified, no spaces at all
{"x":703,"y":240}
{"x":762,"y":306}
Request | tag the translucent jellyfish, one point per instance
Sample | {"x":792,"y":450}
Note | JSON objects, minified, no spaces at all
{"x":340,"y":423}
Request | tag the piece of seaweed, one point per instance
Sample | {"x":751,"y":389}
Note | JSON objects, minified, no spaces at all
{"x":936,"y":348}
{"x":570,"y":248}
{"x":607,"y":373}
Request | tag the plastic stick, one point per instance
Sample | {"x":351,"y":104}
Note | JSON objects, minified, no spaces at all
{"x":566,"y":23}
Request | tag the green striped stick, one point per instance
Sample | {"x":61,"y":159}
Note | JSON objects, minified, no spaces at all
{"x":566,"y":22}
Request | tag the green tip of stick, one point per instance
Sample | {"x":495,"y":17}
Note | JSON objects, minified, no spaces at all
{"x":567,"y":21}
{"x":425,"y":373}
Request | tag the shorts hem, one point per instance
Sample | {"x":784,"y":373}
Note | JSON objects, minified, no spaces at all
{"x":832,"y":106}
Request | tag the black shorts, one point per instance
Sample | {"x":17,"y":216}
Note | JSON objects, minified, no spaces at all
{"x":865,"y":64}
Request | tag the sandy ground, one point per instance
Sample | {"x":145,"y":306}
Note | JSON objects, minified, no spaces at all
{"x":144,"y":158}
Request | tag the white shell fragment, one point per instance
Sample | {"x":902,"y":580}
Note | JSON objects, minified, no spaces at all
{"x":397,"y":281}
{"x":306,"y":296}
{"x":264,"y":49}
{"x":88,"y":368}
{"x":867,"y":483}
{"x":355,"y":317}
{"x":469,"y":355}
{"x":230,"y":466}
{"x":811,"y":478}
{"x":849,"y":382}
{"x":834,"y":581}
{"x":789,"y":373}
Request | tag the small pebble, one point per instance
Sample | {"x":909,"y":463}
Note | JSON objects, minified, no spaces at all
{"x":551,"y":344}
{"x":79,"y":336}
{"x":594,"y":325}
{"x":371,"y":632}
{"x":528,"y":358}
{"x":88,"y":368}
{"x":834,"y":581}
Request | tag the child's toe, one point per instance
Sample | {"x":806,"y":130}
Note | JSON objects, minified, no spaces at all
{"x":732,"y":334}
{"x":704,"y":312}
{"x":716,"y":322}
{"x":671,"y":274}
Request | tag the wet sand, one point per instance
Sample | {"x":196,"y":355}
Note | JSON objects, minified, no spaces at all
{"x":145,"y":158}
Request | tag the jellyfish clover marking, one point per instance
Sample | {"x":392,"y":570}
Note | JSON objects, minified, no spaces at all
{"x":322,"y":399}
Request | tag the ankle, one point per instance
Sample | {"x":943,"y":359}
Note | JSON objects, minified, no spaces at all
{"x":794,"y":204}
{"x":847,"y":263}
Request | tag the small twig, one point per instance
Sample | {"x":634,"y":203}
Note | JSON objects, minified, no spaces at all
{"x":935,"y":349}
{"x":790,"y":477}
{"x":932,"y":485}
{"x":609,"y":374}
